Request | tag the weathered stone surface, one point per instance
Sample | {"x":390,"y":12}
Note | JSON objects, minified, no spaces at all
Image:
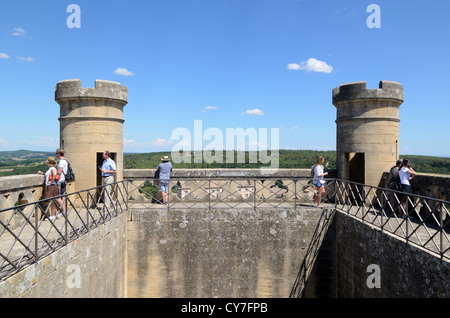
{"x":406,"y":271}
{"x":91,"y":121}
{"x":220,"y":253}
{"x":99,"y":257}
{"x":367,"y":123}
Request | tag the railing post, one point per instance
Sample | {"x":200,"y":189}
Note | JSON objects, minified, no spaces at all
{"x":407,"y":218}
{"x":168,"y":196}
{"x":295,"y":195}
{"x":65,"y":216}
{"x":36,"y":224}
{"x":254,"y":195}
{"x":363,"y":203}
{"x":126,"y":192}
{"x":441,"y":229}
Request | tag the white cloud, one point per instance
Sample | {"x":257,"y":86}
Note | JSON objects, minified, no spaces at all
{"x":4,"y":56}
{"x":27,"y":59}
{"x":43,"y":142}
{"x":294,"y":128}
{"x":159,"y":142}
{"x":255,"y":112}
{"x":129,"y":142}
{"x":123,"y":72}
{"x":311,"y":65}
{"x":209,"y":108}
{"x":3,"y":142}
{"x":293,"y":66}
{"x":20,"y":32}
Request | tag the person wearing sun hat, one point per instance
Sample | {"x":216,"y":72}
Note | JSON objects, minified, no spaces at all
{"x":164,"y":170}
{"x":51,"y":187}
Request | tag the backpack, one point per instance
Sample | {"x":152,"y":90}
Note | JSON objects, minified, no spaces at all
{"x":70,"y":175}
{"x":311,"y":173}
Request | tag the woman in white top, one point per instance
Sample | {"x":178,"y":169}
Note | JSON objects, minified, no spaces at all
{"x":406,"y":173}
{"x":51,"y":187}
{"x":318,"y":180}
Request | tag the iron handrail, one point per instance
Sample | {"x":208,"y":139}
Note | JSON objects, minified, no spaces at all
{"x":27,"y":233}
{"x":370,"y":204}
{"x":419,"y":220}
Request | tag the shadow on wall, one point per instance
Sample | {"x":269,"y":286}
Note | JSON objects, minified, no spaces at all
{"x":309,"y":283}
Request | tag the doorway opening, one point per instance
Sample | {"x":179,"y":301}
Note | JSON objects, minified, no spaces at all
{"x":356,"y":173}
{"x":355,"y":166}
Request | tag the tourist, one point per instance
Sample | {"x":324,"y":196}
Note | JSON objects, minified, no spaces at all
{"x":51,"y":188}
{"x":318,"y":180}
{"x":108,"y":170}
{"x":62,"y":171}
{"x":406,"y":173}
{"x":393,"y":183}
{"x":164,"y":170}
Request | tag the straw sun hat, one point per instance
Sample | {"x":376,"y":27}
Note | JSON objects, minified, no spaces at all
{"x":51,"y":161}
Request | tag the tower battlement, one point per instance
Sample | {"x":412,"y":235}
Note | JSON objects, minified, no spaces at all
{"x":71,"y":89}
{"x":358,"y":91}
{"x":367,"y":130}
{"x":91,"y":121}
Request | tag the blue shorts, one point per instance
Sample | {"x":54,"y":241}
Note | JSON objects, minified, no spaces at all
{"x":319,"y":183}
{"x":164,"y":186}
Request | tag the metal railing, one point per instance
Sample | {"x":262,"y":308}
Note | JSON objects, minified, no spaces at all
{"x":29,"y":232}
{"x":234,"y":192}
{"x":419,"y":220}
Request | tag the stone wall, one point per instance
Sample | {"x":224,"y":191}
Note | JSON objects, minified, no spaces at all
{"x":17,"y":190}
{"x":94,"y":265}
{"x":404,"y":270}
{"x":23,"y":188}
{"x":430,"y":185}
{"x":221,"y":253}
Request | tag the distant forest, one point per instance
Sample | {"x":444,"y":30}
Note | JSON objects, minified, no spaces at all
{"x":29,"y":162}
{"x":289,"y":159}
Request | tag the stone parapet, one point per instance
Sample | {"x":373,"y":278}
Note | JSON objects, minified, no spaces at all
{"x":358,"y":91}
{"x":222,"y":173}
{"x":17,"y":189}
{"x":430,"y":185}
{"x":71,"y":89}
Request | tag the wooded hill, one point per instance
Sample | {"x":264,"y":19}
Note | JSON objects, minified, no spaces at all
{"x":289,"y":159}
{"x":29,"y":162}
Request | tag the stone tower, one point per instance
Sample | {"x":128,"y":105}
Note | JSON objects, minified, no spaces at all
{"x":367,"y":130}
{"x":91,"y":121}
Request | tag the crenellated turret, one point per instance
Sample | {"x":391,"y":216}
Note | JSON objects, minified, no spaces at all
{"x":367,"y":130}
{"x":91,"y":121}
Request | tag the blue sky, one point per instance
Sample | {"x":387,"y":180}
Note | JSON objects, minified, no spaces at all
{"x":230,"y":64}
